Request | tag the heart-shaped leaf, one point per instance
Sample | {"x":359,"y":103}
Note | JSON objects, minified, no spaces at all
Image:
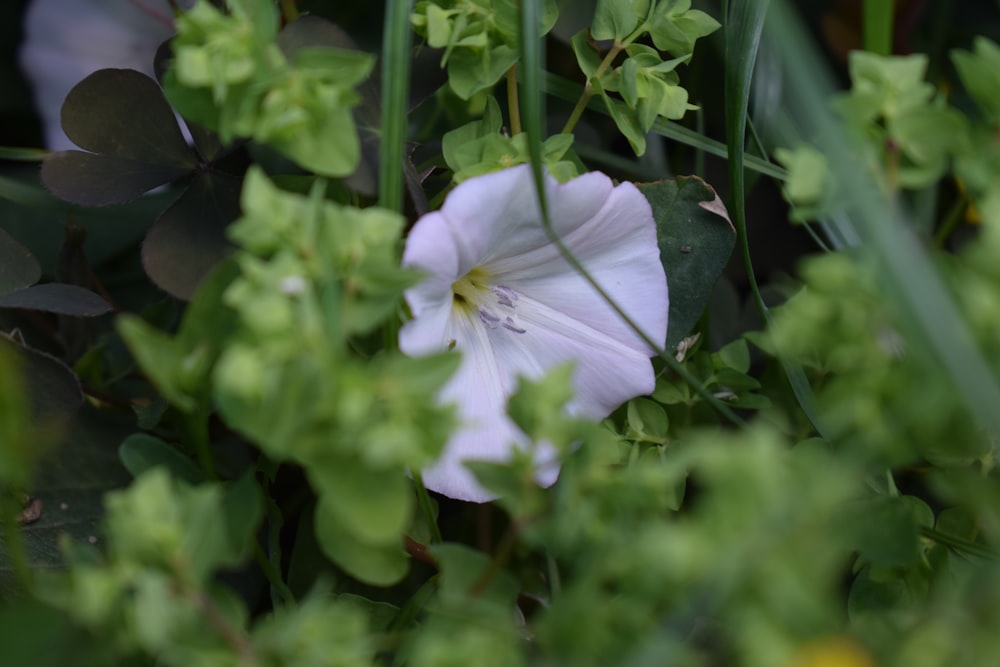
{"x":696,"y":239}
{"x":88,"y":179}
{"x":189,"y":239}
{"x":57,"y":298}
{"x":135,"y":143}
{"x":122,"y":113}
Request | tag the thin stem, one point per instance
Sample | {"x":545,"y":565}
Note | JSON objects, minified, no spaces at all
{"x":289,"y":10}
{"x":581,"y":104}
{"x":951,"y":221}
{"x":424,"y":499}
{"x":231,"y":635}
{"x":197,"y":428}
{"x":513,"y":105}
{"x":13,"y":542}
{"x":273,"y":575}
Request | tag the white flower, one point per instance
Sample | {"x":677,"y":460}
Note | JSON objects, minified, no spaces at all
{"x":500,"y":292}
{"x":66,"y":40}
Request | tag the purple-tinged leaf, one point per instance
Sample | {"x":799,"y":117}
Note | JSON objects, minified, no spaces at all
{"x":122,"y":113}
{"x":57,"y":298}
{"x":89,"y":179}
{"x":189,"y":239}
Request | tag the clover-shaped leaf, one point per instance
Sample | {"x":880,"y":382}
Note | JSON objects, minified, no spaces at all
{"x":19,"y":271}
{"x":135,"y":144}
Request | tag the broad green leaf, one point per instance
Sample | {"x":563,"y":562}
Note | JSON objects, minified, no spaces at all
{"x":696,"y":240}
{"x":980,"y":74}
{"x":379,"y":565}
{"x":613,"y":20}
{"x":141,"y":452}
{"x":373,"y":506}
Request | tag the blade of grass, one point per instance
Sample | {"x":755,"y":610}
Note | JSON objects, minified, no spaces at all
{"x":396,"y":41}
{"x":569,"y":91}
{"x":930,"y":319}
{"x":744,"y":25}
{"x":878,"y":26}
{"x":532,"y":119}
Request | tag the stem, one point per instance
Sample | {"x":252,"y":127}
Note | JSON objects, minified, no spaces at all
{"x":221,"y":625}
{"x":581,"y":104}
{"x":289,"y":10}
{"x":512,"y":101}
{"x":272,"y":575}
{"x":197,"y":427}
{"x":951,"y":221}
{"x":13,"y":542}
{"x":426,"y":509}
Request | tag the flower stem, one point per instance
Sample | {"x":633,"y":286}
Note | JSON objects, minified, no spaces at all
{"x":272,"y":575}
{"x":588,"y":90}
{"x":512,"y":101}
{"x":609,"y":59}
{"x":289,"y":10}
{"x":426,"y":509}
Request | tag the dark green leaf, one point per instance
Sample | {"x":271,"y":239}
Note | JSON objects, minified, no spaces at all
{"x":57,"y":298}
{"x":89,"y":179}
{"x":53,"y":389}
{"x":18,"y":267}
{"x":122,"y":113}
{"x":696,"y":240}
{"x":140,"y":452}
{"x":189,"y":239}
{"x":70,"y":483}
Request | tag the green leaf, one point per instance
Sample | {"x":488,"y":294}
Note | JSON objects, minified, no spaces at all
{"x":18,"y":267}
{"x":886,"y":531}
{"x":696,"y":240}
{"x":613,"y":20}
{"x":372,"y":505}
{"x":379,"y":565}
{"x":141,"y":452}
{"x":648,"y":419}
{"x":980,"y":74}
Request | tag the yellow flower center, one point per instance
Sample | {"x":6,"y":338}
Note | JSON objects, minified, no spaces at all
{"x":469,"y":290}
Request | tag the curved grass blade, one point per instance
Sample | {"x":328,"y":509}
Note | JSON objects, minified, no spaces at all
{"x":906,"y":273}
{"x":396,"y":41}
{"x":569,"y":91}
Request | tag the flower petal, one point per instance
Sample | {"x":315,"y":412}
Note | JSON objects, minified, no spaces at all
{"x":617,"y":246}
{"x":480,"y":389}
{"x":538,"y":311}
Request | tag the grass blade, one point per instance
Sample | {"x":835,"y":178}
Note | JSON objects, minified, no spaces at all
{"x":930,"y":319}
{"x":396,"y":41}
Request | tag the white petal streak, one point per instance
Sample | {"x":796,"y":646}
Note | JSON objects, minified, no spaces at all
{"x":607,"y":372}
{"x":479,"y":388}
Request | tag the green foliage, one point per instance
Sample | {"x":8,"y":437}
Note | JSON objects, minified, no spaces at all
{"x":480,"y":147}
{"x":231,"y":476}
{"x":479,"y":38}
{"x":648,"y":87}
{"x":230,"y":75}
